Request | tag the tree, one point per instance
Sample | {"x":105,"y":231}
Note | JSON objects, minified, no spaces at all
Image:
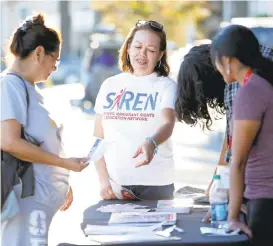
{"x":39,"y":225}
{"x":176,"y":16}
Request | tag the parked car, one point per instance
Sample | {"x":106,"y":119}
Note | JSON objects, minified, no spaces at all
{"x":99,"y":63}
{"x":68,"y":70}
{"x":264,"y":35}
{"x":262,"y":27}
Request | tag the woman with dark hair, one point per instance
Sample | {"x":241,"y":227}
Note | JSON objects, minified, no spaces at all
{"x":236,"y":54}
{"x":200,"y":87}
{"x":29,"y":133}
{"x":135,"y":111}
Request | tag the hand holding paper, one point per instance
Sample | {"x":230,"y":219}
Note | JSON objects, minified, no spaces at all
{"x":97,"y":150}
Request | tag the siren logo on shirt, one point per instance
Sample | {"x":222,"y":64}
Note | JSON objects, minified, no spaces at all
{"x":128,"y":100}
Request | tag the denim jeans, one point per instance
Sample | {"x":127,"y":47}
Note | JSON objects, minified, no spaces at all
{"x":260,"y":221}
{"x":164,"y":192}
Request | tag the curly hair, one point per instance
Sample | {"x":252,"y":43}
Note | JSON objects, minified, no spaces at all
{"x":200,"y":87}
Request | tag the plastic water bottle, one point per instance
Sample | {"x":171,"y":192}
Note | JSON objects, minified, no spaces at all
{"x":218,"y":197}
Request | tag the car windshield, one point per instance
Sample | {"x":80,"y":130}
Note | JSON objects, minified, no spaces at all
{"x":101,"y":57}
{"x":264,"y":35}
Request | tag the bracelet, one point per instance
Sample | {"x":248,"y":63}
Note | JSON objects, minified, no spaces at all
{"x":154,"y":142}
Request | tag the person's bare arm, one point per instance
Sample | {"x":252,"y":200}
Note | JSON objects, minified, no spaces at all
{"x":166,"y":129}
{"x":160,"y":136}
{"x":221,"y":161}
{"x":244,"y":133}
{"x":11,"y":142}
{"x":106,"y":189}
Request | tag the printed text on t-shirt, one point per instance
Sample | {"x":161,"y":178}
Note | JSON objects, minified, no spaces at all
{"x":128,"y":100}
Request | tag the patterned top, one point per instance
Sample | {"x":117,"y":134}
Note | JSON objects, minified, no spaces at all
{"x":230,"y":91}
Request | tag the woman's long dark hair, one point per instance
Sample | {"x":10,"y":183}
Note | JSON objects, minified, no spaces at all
{"x":199,"y":86}
{"x":240,"y":42}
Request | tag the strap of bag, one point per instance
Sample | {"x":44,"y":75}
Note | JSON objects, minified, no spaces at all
{"x":27,"y":97}
{"x":24,"y":169}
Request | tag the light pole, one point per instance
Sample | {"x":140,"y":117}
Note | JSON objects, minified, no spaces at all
{"x":65,"y":25}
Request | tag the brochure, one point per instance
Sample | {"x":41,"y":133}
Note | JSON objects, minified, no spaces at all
{"x":195,"y":194}
{"x":208,"y":231}
{"x":122,"y":193}
{"x":120,"y":229}
{"x":128,"y":207}
{"x":130,"y":238}
{"x":97,"y":150}
{"x":140,"y":218}
{"x":177,"y":206}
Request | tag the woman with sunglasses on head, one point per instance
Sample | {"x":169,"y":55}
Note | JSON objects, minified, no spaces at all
{"x":29,"y":133}
{"x":236,"y":54}
{"x":135,"y":111}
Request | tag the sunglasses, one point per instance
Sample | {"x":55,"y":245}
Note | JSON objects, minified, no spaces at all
{"x":153,"y":24}
{"x":57,"y":61}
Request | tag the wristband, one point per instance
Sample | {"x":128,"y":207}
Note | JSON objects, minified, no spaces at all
{"x":154,"y":142}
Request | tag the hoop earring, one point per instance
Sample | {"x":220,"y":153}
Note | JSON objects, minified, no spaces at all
{"x":128,"y":58}
{"x":228,"y":70}
{"x":159,"y":64}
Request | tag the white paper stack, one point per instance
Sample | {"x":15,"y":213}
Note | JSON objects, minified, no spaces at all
{"x":120,"y":229}
{"x":208,"y":231}
{"x":176,"y":206}
{"x":128,"y":207}
{"x":131,"y":238}
{"x":140,"y":218}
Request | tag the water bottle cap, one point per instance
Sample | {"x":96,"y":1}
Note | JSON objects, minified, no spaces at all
{"x":216,"y":177}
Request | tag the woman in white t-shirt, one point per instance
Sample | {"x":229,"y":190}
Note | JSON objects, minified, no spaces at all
{"x":136,"y":117}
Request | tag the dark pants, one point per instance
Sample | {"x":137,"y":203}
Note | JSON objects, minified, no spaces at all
{"x":260,"y":221}
{"x":144,"y":192}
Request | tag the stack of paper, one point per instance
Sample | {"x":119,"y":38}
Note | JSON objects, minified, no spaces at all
{"x":140,"y":218}
{"x":121,"y":229}
{"x":130,"y":238}
{"x":128,"y":207}
{"x":176,"y":205}
{"x":108,"y":234}
{"x":208,"y":231}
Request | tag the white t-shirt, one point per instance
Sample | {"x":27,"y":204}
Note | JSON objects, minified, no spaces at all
{"x":51,"y":182}
{"x":131,"y":109}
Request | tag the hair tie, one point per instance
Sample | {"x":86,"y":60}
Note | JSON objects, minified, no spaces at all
{"x":24,"y":26}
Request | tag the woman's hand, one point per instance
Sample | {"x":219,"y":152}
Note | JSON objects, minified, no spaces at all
{"x":207,"y":217}
{"x":106,"y":191}
{"x":147,"y":148}
{"x":68,"y":200}
{"x":237,"y":225}
{"x":74,"y":164}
